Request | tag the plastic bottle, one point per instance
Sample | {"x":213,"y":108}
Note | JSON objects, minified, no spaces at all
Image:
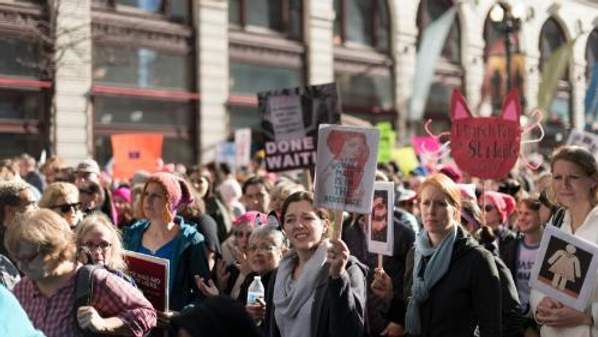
{"x":256,"y":291}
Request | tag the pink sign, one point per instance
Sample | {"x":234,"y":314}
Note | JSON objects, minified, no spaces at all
{"x":425,"y":144}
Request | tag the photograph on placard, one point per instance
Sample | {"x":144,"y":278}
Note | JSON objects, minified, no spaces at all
{"x":565,"y":268}
{"x":380,"y":220}
{"x":345,"y":168}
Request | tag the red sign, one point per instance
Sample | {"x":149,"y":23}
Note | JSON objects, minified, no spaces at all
{"x":152,"y":277}
{"x":485,"y":147}
{"x":134,"y":152}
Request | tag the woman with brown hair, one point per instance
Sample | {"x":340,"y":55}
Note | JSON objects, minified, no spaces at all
{"x":63,"y":198}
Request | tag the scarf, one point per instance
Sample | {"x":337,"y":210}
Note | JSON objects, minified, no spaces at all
{"x":434,"y":270}
{"x":289,"y":297}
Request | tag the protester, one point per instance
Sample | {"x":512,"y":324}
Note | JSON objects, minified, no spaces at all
{"x":15,"y":197}
{"x":214,"y":206}
{"x":168,"y":236}
{"x":63,"y":198}
{"x":122,"y":204}
{"x":9,"y":275}
{"x":453,"y":284}
{"x":28,"y":172}
{"x":319,"y":289}
{"x":51,"y":168}
{"x":256,"y":194}
{"x":87,"y":179}
{"x":498,"y":207}
{"x":44,"y":248}
{"x":575,"y":185}
{"x":14,"y":322}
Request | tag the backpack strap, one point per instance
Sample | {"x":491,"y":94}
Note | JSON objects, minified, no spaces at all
{"x":558,"y":217}
{"x":83,"y":291}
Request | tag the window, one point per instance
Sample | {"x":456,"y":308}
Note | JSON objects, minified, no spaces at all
{"x":428,"y":12}
{"x":19,"y":57}
{"x":174,"y":10}
{"x":249,"y":79}
{"x":281,"y":16}
{"x":551,"y":38}
{"x":591,"y":54}
{"x":362,"y":22}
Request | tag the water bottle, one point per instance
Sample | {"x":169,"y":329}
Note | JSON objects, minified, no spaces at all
{"x":256,"y":291}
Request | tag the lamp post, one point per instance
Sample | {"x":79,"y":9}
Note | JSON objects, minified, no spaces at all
{"x":508,"y":22}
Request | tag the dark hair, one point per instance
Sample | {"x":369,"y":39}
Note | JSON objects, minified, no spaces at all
{"x":531,"y":203}
{"x":256,"y":180}
{"x":298,"y":196}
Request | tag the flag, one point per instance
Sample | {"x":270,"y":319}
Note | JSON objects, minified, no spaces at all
{"x":429,"y":50}
{"x":553,"y":72}
{"x":591,"y":101}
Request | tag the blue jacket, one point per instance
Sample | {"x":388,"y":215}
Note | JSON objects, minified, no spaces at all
{"x":14,"y":322}
{"x":190,"y":260}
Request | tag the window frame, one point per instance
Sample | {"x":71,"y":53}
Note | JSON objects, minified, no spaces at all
{"x":341,"y":39}
{"x":285,"y":22}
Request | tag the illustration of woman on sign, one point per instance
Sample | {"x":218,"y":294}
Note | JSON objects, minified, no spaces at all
{"x":565,"y":266}
{"x":349,"y":155}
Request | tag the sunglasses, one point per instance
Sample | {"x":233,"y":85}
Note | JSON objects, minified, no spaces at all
{"x":67,"y":207}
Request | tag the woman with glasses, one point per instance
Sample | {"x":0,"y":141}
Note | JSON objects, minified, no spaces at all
{"x":575,"y":186}
{"x":164,"y":234}
{"x":63,"y":198}
{"x":99,"y":242}
{"x":43,"y":246}
{"x":497,"y":208}
{"x":319,"y":290}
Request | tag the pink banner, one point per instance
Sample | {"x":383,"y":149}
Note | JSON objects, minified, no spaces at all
{"x":424,"y":144}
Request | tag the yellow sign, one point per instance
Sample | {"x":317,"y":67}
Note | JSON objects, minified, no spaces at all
{"x":406,"y":159}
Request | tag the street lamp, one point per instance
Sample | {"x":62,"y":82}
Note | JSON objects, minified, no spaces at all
{"x":508,"y":21}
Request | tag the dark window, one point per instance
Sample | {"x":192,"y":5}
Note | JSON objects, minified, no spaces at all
{"x":19,"y":57}
{"x":371,"y":91}
{"x":16,"y":143}
{"x":137,"y":112}
{"x":175,"y":10}
{"x":282,"y":16}
{"x":591,"y":54}
{"x":141,"y":67}
{"x":250,"y":79}
{"x":363,"y":22}
{"x":551,"y":38}
{"x":428,"y":12}
{"x":21,"y":104}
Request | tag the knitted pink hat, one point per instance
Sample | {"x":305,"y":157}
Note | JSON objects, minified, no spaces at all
{"x":123,"y":192}
{"x":253,"y":218}
{"x":504,"y":203}
{"x":177,"y":190}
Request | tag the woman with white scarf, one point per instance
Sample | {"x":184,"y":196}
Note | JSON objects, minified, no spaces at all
{"x":452,"y":284}
{"x":319,"y":290}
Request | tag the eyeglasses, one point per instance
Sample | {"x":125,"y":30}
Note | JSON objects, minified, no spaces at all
{"x":241,"y":234}
{"x":487,"y":208}
{"x":67,"y":207}
{"x":263,"y":248}
{"x":39,"y":250}
{"x":90,"y":246}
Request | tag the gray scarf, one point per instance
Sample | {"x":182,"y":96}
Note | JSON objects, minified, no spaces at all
{"x":290,"y":296}
{"x":435,"y":269}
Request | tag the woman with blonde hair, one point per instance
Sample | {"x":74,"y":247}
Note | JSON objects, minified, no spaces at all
{"x":63,"y":198}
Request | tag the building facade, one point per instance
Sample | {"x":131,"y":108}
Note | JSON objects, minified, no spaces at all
{"x":75,"y":72}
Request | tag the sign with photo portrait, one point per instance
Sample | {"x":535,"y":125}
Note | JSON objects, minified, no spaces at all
{"x":565,"y":268}
{"x":380,"y":220}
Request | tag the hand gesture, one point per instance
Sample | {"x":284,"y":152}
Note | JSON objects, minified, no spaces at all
{"x":337,"y":257}
{"x":382,"y":285}
{"x":256,"y":311}
{"x":553,"y":313}
{"x":222,"y":275}
{"x":89,"y":318}
{"x":242,"y":262}
{"x":207,"y":288}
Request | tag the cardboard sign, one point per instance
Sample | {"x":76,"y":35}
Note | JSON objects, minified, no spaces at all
{"x":290,"y":123}
{"x":152,"y":277}
{"x":584,"y":139}
{"x":387,"y":141}
{"x":346,"y":165}
{"x":135,"y":152}
{"x":380,"y":220}
{"x":424,"y":144}
{"x":565,"y":268}
{"x":406,"y":159}
{"x":225,"y":153}
{"x":485,"y":147}
{"x":242,"y":147}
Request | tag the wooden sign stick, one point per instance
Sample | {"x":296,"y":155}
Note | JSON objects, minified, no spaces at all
{"x":338,"y":224}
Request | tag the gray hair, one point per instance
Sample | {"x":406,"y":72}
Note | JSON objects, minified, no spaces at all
{"x":9,"y":194}
{"x":269,"y":231}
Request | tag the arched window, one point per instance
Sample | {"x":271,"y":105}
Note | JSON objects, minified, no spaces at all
{"x":591,"y":54}
{"x":449,"y":72}
{"x":280,"y":16}
{"x":560,"y":118}
{"x":362,"y":22}
{"x":362,"y":60}
{"x":494,"y":87}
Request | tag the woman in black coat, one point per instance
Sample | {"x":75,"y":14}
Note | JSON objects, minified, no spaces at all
{"x":451,"y":283}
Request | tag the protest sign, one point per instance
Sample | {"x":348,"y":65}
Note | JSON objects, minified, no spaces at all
{"x":485,"y":147}
{"x":152,"y":277}
{"x":406,"y":159}
{"x":290,"y":123}
{"x":135,"y":152}
{"x":565,"y":268}
{"x":242,"y":147}
{"x":425,"y":144}
{"x":387,"y":141}
{"x":225,"y":153}
{"x":584,"y":139}
{"x":345,"y":168}
{"x":380,"y":223}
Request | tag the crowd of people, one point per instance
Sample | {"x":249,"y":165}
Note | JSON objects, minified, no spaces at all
{"x":460,"y":265}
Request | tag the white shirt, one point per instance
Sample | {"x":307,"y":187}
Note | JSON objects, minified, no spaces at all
{"x":588,"y":231}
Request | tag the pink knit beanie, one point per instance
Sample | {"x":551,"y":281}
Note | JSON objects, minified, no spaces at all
{"x":504,"y":203}
{"x":177,"y":190}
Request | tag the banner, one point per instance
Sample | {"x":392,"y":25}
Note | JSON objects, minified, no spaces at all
{"x":290,"y":123}
{"x":387,"y":141}
{"x":406,"y":159}
{"x":552,"y":73}
{"x":242,"y":147}
{"x":584,"y":139}
{"x":225,"y":153}
{"x":346,"y":167}
{"x":135,"y":152}
{"x":380,"y":220}
{"x":152,"y":277}
{"x":485,"y":147}
{"x":424,"y":144}
{"x":432,"y":42}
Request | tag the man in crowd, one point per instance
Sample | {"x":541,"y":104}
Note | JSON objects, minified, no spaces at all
{"x":256,"y":194}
